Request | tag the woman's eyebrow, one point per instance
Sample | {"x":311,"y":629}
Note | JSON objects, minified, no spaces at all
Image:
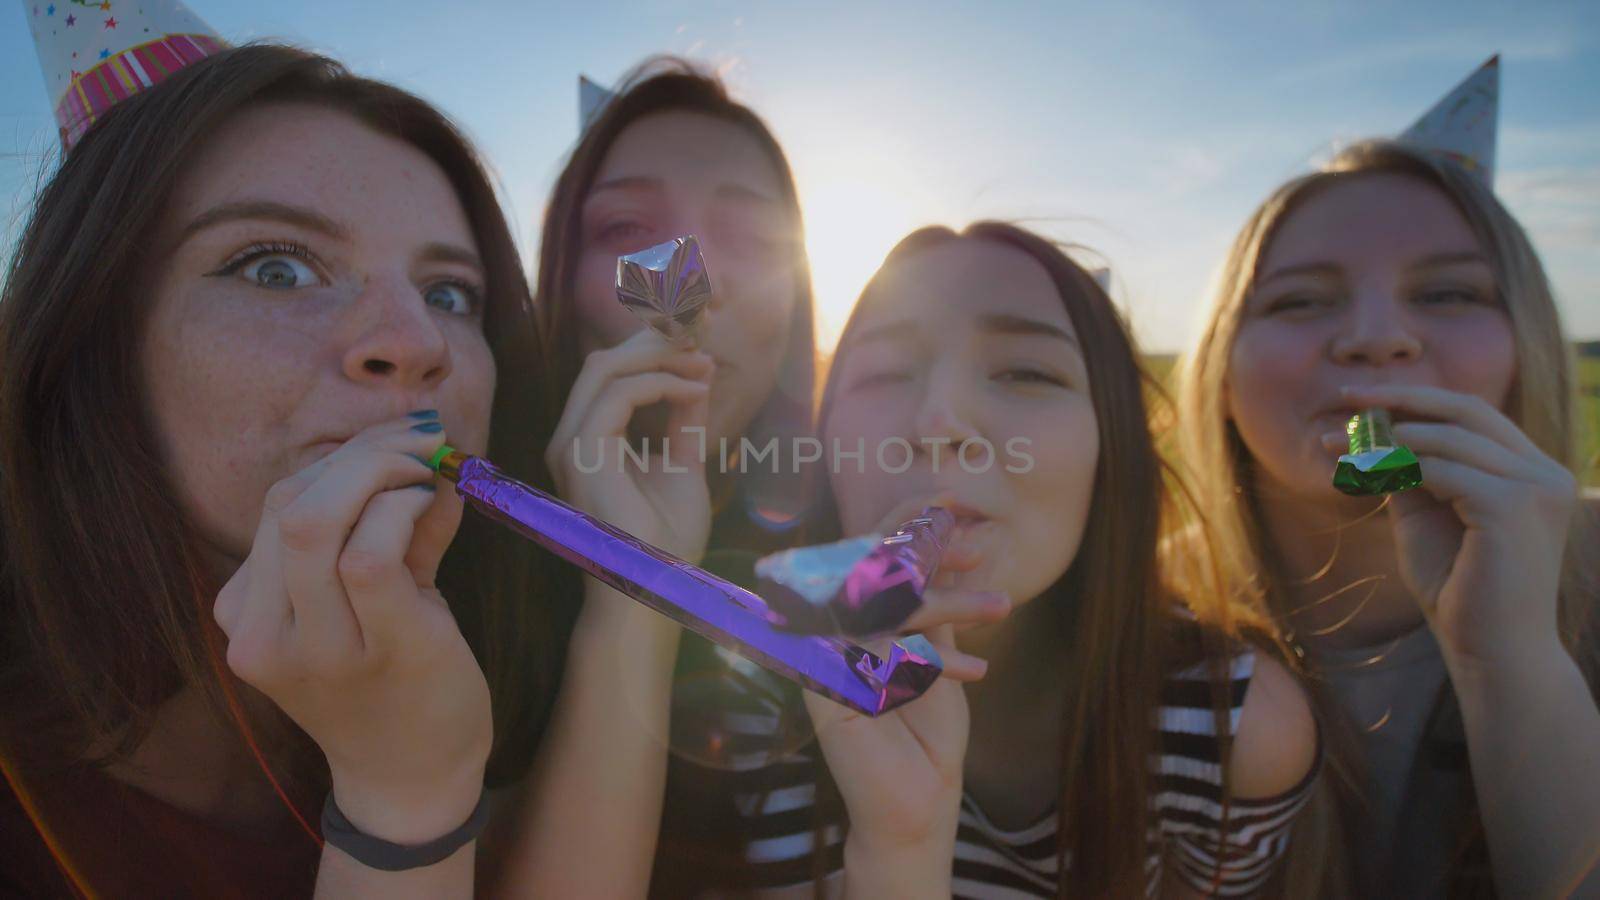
{"x":1457,"y":258}
{"x":1002,"y":323}
{"x":1322,"y":268}
{"x":732,"y":190}
{"x":265,"y":210}
{"x":900,"y":329}
{"x":450,"y":253}
{"x":627,"y":183}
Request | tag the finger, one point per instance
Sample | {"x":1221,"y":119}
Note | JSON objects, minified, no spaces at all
{"x":432,"y":535}
{"x":963,"y":667}
{"x":420,"y":422}
{"x":312,"y":533}
{"x":954,"y":564}
{"x":1458,"y":483}
{"x":418,"y":434}
{"x":255,"y":596}
{"x":685,"y":429}
{"x":957,"y":666}
{"x":1466,"y":410}
{"x":612,"y":410}
{"x":373,"y":573}
{"x":826,"y":712}
{"x":254,"y":615}
{"x":1466,"y":447}
{"x":1450,"y":442}
{"x":247,"y":602}
{"x":229,"y":605}
{"x":644,"y":351}
{"x":955,"y":607}
{"x":939,"y":727}
{"x":934,"y":726}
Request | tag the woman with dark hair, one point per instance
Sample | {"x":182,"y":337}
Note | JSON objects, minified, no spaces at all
{"x":1123,"y":741}
{"x":671,"y":154}
{"x":674,"y":154}
{"x":246,"y":308}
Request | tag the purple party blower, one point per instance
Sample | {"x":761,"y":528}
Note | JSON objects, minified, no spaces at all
{"x":859,"y":587}
{"x":718,"y":610}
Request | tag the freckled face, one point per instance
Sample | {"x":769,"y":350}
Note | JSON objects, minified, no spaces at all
{"x":318,"y":278}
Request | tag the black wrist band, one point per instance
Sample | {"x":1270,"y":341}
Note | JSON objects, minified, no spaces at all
{"x":377,"y":853}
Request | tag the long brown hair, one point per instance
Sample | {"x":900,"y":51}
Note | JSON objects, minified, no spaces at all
{"x":1116,"y":629}
{"x":107,"y":614}
{"x":1543,"y":404}
{"x":666,"y":84}
{"x":699,"y":829}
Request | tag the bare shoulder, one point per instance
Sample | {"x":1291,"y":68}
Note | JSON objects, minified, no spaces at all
{"x":1275,"y":745}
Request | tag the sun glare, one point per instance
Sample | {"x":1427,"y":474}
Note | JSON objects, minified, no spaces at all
{"x":856,"y":206}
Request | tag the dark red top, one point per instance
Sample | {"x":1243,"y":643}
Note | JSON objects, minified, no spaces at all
{"x":121,"y":842}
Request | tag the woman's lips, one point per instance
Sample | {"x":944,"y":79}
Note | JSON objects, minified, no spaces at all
{"x":969,"y":524}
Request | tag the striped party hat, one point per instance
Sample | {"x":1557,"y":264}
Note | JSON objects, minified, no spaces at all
{"x":98,"y":52}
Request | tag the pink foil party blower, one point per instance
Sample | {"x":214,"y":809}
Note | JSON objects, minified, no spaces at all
{"x":861,"y":587}
{"x":718,"y":610}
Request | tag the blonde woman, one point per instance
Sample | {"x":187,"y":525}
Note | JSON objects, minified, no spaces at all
{"x":1444,"y":626}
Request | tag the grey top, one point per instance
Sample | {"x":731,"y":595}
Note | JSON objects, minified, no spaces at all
{"x":1415,"y":788}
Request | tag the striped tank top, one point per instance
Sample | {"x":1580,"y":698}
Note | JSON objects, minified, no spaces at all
{"x":1228,"y":852}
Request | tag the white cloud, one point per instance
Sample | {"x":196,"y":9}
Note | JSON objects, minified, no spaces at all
{"x":1462,"y":46}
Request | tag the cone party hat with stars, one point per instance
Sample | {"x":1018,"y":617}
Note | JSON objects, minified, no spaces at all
{"x":96,"y":53}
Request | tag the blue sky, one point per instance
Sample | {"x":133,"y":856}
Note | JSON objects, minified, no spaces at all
{"x":1147,"y":131}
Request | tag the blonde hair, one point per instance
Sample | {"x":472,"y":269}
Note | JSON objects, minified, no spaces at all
{"x":1543,"y":395}
{"x":1542,"y":400}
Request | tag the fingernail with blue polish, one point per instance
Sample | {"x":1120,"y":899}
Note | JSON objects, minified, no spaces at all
{"x":419,"y":458}
{"x":916,"y":643}
{"x":425,"y":486}
{"x":428,"y":427}
{"x":423,"y":414}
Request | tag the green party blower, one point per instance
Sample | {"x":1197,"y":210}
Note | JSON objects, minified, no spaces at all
{"x":1375,"y":464}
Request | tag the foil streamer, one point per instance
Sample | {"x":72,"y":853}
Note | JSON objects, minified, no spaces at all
{"x":668,"y":287}
{"x":861,"y":587}
{"x":720,"y":611}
